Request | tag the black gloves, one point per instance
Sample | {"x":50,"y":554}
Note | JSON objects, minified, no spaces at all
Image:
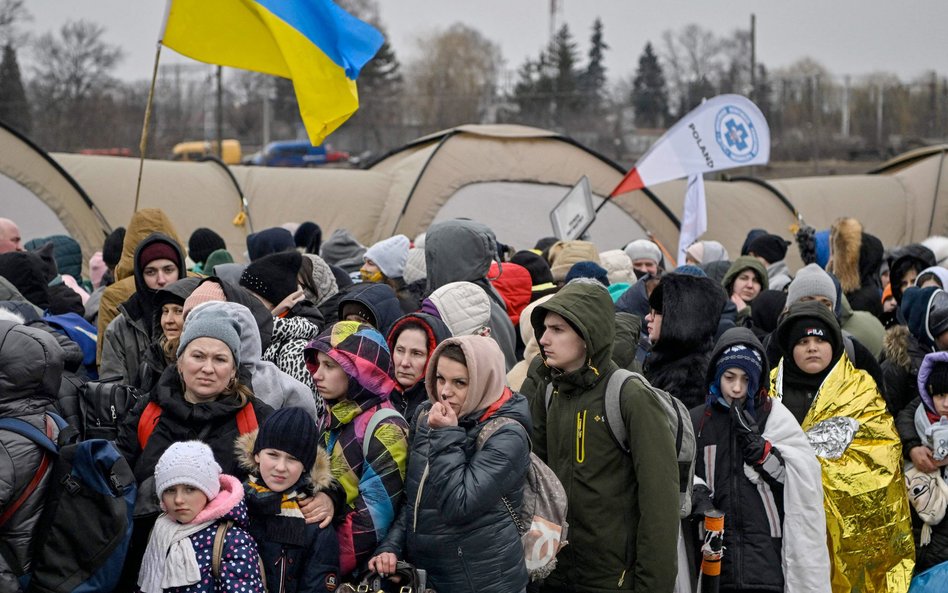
{"x":754,"y":447}
{"x":700,"y":501}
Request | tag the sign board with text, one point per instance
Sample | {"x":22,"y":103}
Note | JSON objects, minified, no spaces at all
{"x":574,"y":213}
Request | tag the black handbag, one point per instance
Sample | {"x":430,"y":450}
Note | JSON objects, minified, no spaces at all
{"x":407,"y":579}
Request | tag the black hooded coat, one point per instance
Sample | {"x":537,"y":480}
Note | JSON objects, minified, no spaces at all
{"x":691,"y":311}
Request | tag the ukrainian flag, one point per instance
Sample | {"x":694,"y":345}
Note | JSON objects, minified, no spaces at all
{"x":316,"y":44}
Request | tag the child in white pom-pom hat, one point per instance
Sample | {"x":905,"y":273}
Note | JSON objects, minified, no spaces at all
{"x":201,"y":507}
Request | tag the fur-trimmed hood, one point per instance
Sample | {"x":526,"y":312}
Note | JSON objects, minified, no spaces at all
{"x":856,"y":255}
{"x":691,"y":311}
{"x":895,"y":346}
{"x":320,"y":474}
{"x":845,"y":241}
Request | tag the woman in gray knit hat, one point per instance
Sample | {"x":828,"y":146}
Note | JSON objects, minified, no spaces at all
{"x":201,"y":397}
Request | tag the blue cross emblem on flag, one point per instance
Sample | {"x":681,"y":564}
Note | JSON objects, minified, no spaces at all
{"x":736,"y":135}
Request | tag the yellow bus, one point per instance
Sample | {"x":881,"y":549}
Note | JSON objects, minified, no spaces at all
{"x":194,"y":150}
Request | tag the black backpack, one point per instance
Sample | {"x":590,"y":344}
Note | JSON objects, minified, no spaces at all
{"x":103,"y":405}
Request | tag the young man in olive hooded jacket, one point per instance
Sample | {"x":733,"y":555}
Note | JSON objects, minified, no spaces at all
{"x":623,"y":508}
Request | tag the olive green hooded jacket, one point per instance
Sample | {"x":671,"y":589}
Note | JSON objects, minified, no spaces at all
{"x":623,"y":508}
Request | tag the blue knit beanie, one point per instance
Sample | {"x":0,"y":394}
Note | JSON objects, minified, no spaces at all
{"x":746,"y":359}
{"x":690,"y":270}
{"x":588,"y":269}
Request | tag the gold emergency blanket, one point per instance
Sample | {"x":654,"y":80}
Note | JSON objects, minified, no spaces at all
{"x":868,"y":525}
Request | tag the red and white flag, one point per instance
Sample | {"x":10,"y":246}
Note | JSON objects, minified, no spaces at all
{"x":724,"y":132}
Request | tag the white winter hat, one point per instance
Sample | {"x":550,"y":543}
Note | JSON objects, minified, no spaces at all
{"x":643,"y":249}
{"x":191,"y":463}
{"x":390,"y":255}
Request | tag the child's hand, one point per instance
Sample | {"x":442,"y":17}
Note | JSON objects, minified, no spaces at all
{"x":383,"y":564}
{"x":318,"y":509}
{"x":441,"y":416}
{"x":923,"y":460}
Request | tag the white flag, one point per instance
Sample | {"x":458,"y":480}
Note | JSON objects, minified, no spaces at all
{"x":694,"y":223}
{"x":724,"y":132}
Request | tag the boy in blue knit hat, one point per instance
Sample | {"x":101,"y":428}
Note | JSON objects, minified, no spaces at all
{"x":754,"y":463}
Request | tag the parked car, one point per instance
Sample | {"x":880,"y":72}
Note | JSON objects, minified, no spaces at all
{"x":297,"y":153}
{"x":195,"y":149}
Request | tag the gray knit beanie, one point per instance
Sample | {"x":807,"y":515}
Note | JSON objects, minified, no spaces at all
{"x":811,"y":281}
{"x":212,"y":325}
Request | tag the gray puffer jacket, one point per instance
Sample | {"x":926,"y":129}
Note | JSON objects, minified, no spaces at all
{"x":454,"y":524}
{"x":31,"y":367}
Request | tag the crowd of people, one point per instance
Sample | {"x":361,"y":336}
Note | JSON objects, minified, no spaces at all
{"x":329,"y":410}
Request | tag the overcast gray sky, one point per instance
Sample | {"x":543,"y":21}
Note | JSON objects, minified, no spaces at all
{"x":847,"y":36}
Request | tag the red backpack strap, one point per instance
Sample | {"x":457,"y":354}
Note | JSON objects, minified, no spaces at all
{"x":246,"y":419}
{"x":147,"y":423}
{"x":34,"y":483}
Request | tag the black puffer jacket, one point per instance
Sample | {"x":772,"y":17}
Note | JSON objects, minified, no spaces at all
{"x":753,"y":557}
{"x":461,"y":532}
{"x":691,"y":308}
{"x":31,"y":366}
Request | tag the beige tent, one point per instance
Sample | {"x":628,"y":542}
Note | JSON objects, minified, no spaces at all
{"x":497,"y":171}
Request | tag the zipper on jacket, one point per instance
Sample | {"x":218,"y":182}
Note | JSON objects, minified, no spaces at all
{"x":581,"y":436}
{"x":467,"y":573}
{"x":737,"y":474}
{"x":421,"y":486}
{"x":621,"y":579}
{"x":281,"y":562}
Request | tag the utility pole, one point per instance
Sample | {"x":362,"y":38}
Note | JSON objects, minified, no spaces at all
{"x":753,"y":42}
{"x":879,"y":111}
{"x":844,"y":128}
{"x":266,"y":111}
{"x":220,"y":113}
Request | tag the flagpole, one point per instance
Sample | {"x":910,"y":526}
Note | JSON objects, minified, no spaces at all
{"x":144,"y":138}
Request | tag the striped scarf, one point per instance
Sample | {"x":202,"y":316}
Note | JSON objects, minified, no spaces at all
{"x":280,"y":513}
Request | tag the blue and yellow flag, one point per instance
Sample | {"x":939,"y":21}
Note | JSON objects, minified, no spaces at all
{"x":316,"y":44}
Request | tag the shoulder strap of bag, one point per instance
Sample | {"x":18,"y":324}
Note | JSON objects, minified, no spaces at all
{"x":613,"y":407}
{"x":220,"y":537}
{"x":147,"y":422}
{"x":490,"y":427}
{"x":218,"y":550}
{"x":43,"y":466}
{"x":246,"y":419}
{"x":377,"y":417}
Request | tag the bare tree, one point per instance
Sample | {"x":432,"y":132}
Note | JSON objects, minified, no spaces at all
{"x":693,"y":62}
{"x":12,"y":14}
{"x":454,"y":79}
{"x":72,"y":70}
